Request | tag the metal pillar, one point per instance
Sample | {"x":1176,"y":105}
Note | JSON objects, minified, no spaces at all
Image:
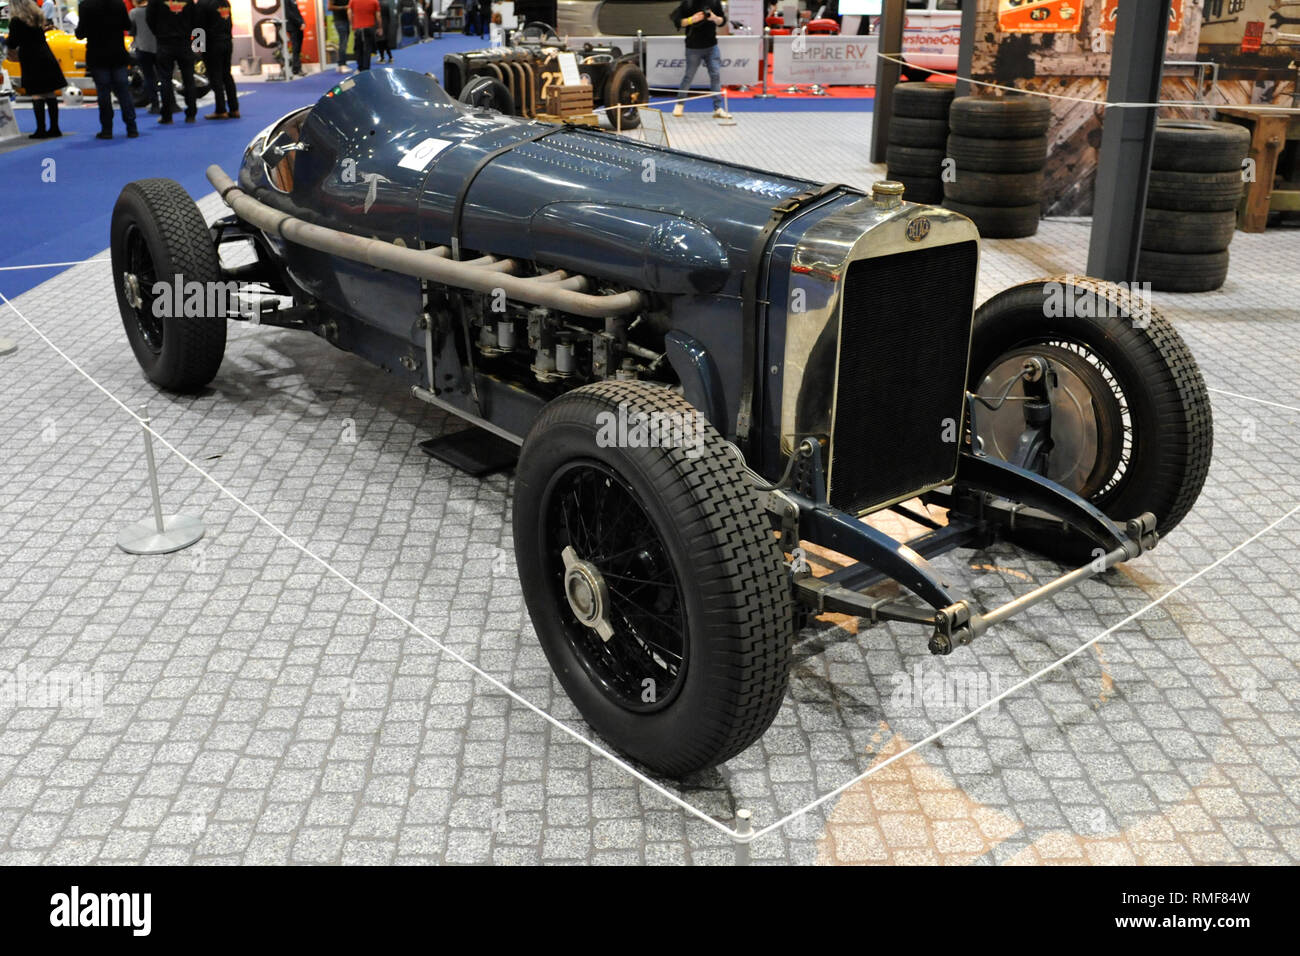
{"x":744,"y":830}
{"x":891,"y":43}
{"x":1128,"y":136}
{"x":966,"y":50}
{"x":161,"y":534}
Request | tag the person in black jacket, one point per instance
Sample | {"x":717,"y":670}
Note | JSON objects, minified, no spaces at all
{"x":102,"y":24}
{"x":213,"y":18}
{"x":701,"y":19}
{"x":293,"y":24}
{"x":42,"y":78}
{"x":172,"y":22}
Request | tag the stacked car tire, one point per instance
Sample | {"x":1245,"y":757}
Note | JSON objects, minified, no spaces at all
{"x":1191,"y":212}
{"x":918,"y":131}
{"x":998,"y":147}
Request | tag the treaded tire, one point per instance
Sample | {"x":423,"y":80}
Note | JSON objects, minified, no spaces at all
{"x":1195,"y":192}
{"x":997,"y":155}
{"x":1183,"y":271}
{"x":920,"y":189}
{"x":923,"y":100}
{"x":914,"y":161}
{"x":1000,"y":117}
{"x":912,"y":131}
{"x":1172,"y":425}
{"x":161,"y":213}
{"x":731,"y":577}
{"x":1167,"y":230}
{"x":628,"y":78}
{"x":999,"y":222}
{"x":1199,"y":146}
{"x":995,"y":189}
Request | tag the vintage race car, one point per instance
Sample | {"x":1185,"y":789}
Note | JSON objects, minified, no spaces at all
{"x":715,"y":374}
{"x":516,"y":79}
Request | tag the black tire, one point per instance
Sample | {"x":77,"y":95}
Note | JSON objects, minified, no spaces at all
{"x":1000,"y":117}
{"x":1166,"y":230}
{"x":1195,"y":192}
{"x":157,"y":234}
{"x":910,"y":131}
{"x":995,"y":189}
{"x":918,"y":189}
{"x":1199,"y":146}
{"x":139,"y":89}
{"x":699,"y":527}
{"x":626,"y":85}
{"x":999,"y":222}
{"x":1182,"y":271}
{"x":488,"y":93}
{"x":914,"y":161}
{"x":1170,"y":434}
{"x":997,"y":155}
{"x":923,"y":100}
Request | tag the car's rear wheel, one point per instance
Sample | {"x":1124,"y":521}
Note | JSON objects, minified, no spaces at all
{"x":166,"y":273}
{"x":651,"y":575}
{"x":627,"y":89}
{"x":1130,"y":413}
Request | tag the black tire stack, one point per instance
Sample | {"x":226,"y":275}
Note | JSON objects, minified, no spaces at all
{"x":917,"y":133}
{"x":999,"y":146}
{"x":1191,"y":211}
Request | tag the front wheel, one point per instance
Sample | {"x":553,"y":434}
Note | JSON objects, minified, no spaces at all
{"x":168,"y":283}
{"x":626,"y":89}
{"x":1131,"y":428}
{"x":653,"y":580}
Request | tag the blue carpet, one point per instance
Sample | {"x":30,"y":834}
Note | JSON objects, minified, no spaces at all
{"x":61,"y":192}
{"x":67,"y":219}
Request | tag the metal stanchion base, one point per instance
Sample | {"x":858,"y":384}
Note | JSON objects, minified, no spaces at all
{"x":8,"y":346}
{"x":179,"y":531}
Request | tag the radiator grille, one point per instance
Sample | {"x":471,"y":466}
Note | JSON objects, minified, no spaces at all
{"x":904,"y":343}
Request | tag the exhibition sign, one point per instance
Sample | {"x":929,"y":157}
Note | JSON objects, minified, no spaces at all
{"x":827,"y":60}
{"x":1110,"y":12}
{"x":1040,"y":16}
{"x":665,"y":61}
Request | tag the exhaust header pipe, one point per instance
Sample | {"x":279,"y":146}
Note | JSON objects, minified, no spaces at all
{"x":486,"y":274}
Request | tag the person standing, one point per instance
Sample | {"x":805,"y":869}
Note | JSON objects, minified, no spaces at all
{"x":366,"y":19}
{"x":293,"y":24}
{"x":146,"y":51}
{"x":701,"y":19}
{"x":42,"y":78}
{"x":214,"y":18}
{"x":342,"y":25}
{"x":102,"y":24}
{"x":172,"y":22}
{"x":391,"y":31}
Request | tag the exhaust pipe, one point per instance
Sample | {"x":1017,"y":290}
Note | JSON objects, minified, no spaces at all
{"x":486,"y":274}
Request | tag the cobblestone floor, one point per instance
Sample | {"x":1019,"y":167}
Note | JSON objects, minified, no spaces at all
{"x":256,"y":708}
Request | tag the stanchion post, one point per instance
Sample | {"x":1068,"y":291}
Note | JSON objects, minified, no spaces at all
{"x":161,"y":534}
{"x":767,"y":47}
{"x":744,"y":832}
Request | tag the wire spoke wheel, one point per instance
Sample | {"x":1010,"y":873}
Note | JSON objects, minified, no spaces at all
{"x":626,"y":584}
{"x":652,"y":578}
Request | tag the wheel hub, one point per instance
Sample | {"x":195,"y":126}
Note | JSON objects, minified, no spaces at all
{"x":1075,"y":450}
{"x":131,"y":289}
{"x":587,"y":593}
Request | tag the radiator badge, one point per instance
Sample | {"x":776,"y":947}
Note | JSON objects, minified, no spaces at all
{"x":918,"y":228}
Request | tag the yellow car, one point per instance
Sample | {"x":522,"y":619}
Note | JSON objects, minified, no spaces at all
{"x":71,"y":54}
